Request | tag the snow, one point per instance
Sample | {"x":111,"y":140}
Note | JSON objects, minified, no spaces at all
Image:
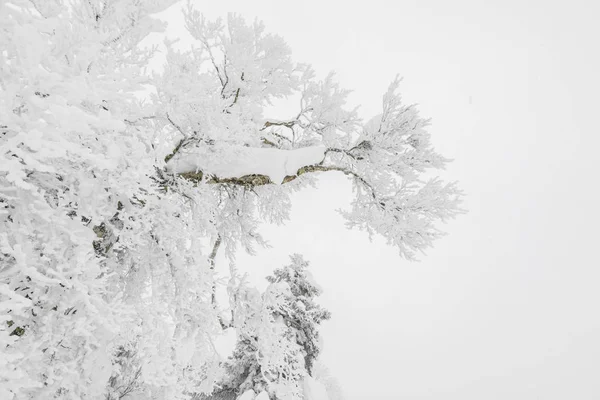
{"x":314,"y":390}
{"x":99,"y":367}
{"x":225,"y":343}
{"x":184,"y":349}
{"x":248,"y":395}
{"x":311,"y":279}
{"x":262,"y":396}
{"x":238,"y":161}
{"x":5,"y":394}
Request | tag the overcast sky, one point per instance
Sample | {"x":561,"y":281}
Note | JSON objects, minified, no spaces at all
{"x":507,"y":305}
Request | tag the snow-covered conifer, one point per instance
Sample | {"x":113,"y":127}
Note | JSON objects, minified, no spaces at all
{"x":278,"y":342}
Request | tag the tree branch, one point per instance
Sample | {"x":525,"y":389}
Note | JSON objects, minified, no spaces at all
{"x":133,"y":122}
{"x":175,"y":125}
{"x":214,"y":251}
{"x":181,"y":142}
{"x":287,"y":124}
{"x":213,"y":296}
{"x":207,"y":46}
{"x":175,"y":150}
{"x":260,"y":180}
{"x":211,"y":260}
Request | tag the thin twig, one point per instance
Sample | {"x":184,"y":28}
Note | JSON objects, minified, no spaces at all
{"x":211,"y":260}
{"x":175,"y":125}
{"x":181,"y":142}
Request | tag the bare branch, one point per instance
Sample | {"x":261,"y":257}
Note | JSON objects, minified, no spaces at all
{"x":214,"y":63}
{"x":224,"y":84}
{"x":237,"y":95}
{"x":254,"y":180}
{"x":214,"y":251}
{"x":175,"y":150}
{"x":213,"y":296}
{"x":287,"y":124}
{"x":181,"y":142}
{"x":211,"y":260}
{"x":175,"y":125}
{"x":130,"y":122}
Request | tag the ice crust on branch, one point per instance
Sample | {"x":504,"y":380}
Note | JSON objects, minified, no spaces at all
{"x":238,"y":161}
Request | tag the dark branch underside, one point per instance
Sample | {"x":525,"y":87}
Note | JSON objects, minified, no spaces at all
{"x":259,"y":180}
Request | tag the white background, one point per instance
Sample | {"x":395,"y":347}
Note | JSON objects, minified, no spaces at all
{"x":507,"y":305}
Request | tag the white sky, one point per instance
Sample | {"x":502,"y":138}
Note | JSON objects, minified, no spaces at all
{"x":506,"y":306}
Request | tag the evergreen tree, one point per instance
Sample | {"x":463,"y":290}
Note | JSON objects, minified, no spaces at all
{"x":300,"y":312}
{"x":279,"y":342}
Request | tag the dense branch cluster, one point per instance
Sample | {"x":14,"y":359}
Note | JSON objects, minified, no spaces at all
{"x":112,"y":207}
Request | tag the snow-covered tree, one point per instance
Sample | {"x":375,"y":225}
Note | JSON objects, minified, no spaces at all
{"x":114,"y":204}
{"x":299,"y":311}
{"x":278,"y":338}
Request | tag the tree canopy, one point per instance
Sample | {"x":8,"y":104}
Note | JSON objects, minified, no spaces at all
{"x":118,"y":187}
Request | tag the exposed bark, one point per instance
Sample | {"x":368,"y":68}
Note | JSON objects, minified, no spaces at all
{"x":260,"y":180}
{"x":213,"y":296}
{"x":211,"y":259}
